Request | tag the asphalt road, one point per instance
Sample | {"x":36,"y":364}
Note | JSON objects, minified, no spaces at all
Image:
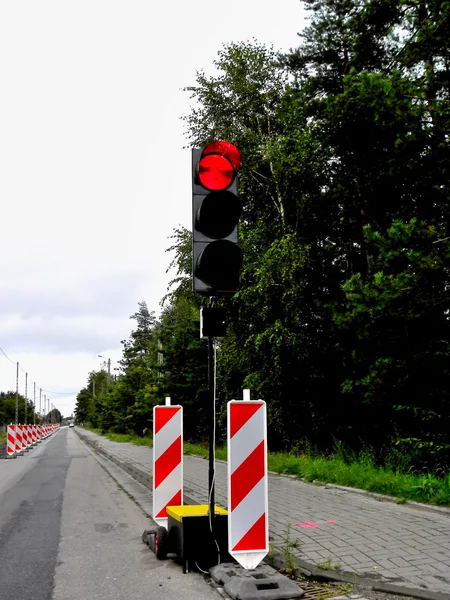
{"x":68,"y":531}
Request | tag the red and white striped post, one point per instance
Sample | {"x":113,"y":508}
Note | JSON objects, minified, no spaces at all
{"x":10,"y":441}
{"x":19,"y":440}
{"x":25,"y":440}
{"x":248,"y":525}
{"x":167,"y":459}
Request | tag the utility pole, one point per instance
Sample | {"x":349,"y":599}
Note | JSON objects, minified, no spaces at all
{"x":109,"y":369}
{"x":45,"y":408}
{"x":40,"y":403}
{"x":160,"y":358}
{"x":26,"y":399}
{"x":17,"y":394}
{"x":34,"y":404}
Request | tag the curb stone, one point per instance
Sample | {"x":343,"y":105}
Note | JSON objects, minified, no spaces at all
{"x":306,"y":568}
{"x":310,"y":570}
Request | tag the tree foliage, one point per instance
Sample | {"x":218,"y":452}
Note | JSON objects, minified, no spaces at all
{"x":341,"y":322}
{"x":8,"y":409}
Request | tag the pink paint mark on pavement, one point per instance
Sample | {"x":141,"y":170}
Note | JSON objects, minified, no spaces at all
{"x":306,"y":525}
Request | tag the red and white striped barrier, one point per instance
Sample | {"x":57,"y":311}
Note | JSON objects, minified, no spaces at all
{"x":248,"y":526}
{"x":167,"y":459}
{"x":19,"y":440}
{"x":11,"y":441}
{"x":25,"y":437}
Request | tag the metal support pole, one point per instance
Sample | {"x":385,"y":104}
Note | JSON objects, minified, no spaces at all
{"x":40,"y":404}
{"x":26,"y":398}
{"x":34,"y":404}
{"x":17,"y":394}
{"x":211,"y":430}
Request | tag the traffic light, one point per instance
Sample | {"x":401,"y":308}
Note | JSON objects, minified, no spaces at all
{"x":216,"y":208}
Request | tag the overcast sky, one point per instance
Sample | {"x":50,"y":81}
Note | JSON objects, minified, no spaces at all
{"x":93,"y":178}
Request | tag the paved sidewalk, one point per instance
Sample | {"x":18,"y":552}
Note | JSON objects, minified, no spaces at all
{"x":398,"y":546}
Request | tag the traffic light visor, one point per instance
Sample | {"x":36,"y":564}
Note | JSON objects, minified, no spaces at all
{"x":226,"y":149}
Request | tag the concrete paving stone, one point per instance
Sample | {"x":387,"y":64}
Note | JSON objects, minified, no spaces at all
{"x":366,"y":566}
{"x":369,"y":546}
{"x":412,"y":552}
{"x":387,"y":564}
{"x":375,"y":539}
{"x":314,"y":556}
{"x":310,"y":547}
{"x":407,"y":571}
{"x":351,"y":559}
{"x":399,"y":562}
{"x":435,"y":568}
{"x":422,"y":562}
{"x":439,"y":556}
{"x":339,"y":543}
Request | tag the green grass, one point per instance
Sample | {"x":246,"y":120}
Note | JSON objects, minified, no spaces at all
{"x":124,"y":437}
{"x":2,"y":438}
{"x":359,"y":472}
{"x":202,"y":450}
{"x":362,"y":473}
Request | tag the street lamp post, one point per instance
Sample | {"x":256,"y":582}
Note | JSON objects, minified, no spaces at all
{"x":109,"y":365}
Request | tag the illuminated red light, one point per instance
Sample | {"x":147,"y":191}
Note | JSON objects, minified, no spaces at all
{"x":215,"y":172}
{"x":218,"y":165}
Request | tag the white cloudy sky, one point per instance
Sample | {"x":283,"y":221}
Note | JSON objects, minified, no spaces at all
{"x":90,"y":103}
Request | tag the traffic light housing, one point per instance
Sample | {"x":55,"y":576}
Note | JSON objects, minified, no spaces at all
{"x":216,"y":208}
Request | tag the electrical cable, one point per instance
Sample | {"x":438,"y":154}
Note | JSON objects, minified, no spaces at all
{"x":13,"y":362}
{"x":196,"y":564}
{"x":47,"y":391}
{"x":60,"y":393}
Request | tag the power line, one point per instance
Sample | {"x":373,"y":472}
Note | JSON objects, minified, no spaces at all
{"x":13,"y":361}
{"x":47,"y":391}
{"x":59,"y":393}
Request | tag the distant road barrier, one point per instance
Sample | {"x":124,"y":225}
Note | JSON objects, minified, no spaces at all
{"x":26,"y":437}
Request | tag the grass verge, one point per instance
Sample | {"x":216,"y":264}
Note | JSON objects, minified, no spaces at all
{"x":2,"y":438}
{"x":361,"y":472}
{"x":124,"y":437}
{"x":364,"y":474}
